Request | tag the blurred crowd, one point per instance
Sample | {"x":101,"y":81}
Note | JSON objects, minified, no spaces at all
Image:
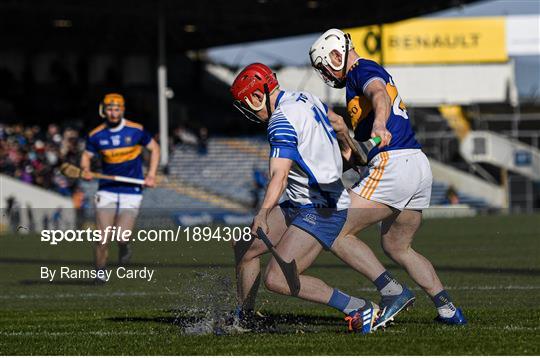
{"x":33,"y":155}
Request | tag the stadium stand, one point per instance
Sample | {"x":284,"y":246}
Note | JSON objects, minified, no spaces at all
{"x":34,"y":155}
{"x":227,"y":171}
{"x":497,"y":142}
{"x":220,"y":177}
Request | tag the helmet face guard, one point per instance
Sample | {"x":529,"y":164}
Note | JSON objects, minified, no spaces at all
{"x":250,"y":111}
{"x":327,"y":76}
{"x":247,"y":112}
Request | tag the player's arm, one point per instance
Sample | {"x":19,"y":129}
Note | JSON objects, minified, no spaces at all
{"x":342,"y":133}
{"x":348,"y":145}
{"x":279,"y":171}
{"x":85,"y":164}
{"x":153,"y":147}
{"x":381,"y":103}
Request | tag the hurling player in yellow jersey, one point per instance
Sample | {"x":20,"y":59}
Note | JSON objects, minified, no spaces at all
{"x":119,"y":144}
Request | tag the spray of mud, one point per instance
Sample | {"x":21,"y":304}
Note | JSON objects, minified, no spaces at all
{"x":211,"y":308}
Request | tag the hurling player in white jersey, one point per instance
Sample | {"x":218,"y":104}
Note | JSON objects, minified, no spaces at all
{"x":305,"y":204}
{"x":396,"y":186}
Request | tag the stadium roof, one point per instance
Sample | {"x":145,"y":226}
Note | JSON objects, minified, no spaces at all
{"x":131,"y":25}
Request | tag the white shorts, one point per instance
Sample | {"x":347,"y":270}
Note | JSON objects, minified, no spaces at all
{"x":398,"y":178}
{"x":118,"y":201}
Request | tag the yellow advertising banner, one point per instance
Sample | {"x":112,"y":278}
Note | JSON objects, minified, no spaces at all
{"x":434,"y":40}
{"x":367,"y":41}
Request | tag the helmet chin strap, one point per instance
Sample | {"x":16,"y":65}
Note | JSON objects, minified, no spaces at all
{"x":250,"y":111}
{"x":340,"y":83}
{"x":267,"y":93}
{"x":346,"y":58}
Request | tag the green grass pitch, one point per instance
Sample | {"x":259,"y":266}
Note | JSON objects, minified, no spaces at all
{"x":491,"y":266}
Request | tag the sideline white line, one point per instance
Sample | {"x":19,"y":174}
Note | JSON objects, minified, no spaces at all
{"x":172,"y":293}
{"x":490,"y":288}
{"x":92,"y":333}
{"x":390,"y":330}
{"x":470,"y":288}
{"x":90,"y":294}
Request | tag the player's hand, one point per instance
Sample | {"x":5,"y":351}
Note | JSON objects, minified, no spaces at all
{"x":259,"y":221}
{"x":86,"y":174}
{"x":379,"y":130}
{"x":150,"y":181}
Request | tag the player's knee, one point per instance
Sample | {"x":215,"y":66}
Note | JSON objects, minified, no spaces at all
{"x":394,"y":248}
{"x":275,"y":281}
{"x":244,"y":251}
{"x":102,"y":247}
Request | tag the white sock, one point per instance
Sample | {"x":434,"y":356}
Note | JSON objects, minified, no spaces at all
{"x":355,"y":304}
{"x":393,"y":288}
{"x":447,"y":311}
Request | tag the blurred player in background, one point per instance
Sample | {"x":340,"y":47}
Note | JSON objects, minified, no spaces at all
{"x":397,"y":186}
{"x":305,"y":204}
{"x":119,"y":144}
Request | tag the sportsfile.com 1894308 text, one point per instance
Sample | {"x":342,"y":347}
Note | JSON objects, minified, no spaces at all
{"x":114,"y":233}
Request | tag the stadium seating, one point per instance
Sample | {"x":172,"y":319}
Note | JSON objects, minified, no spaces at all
{"x":223,"y":177}
{"x":165,"y":198}
{"x":227,"y":171}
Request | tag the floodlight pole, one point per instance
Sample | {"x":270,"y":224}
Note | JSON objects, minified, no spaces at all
{"x":162,"y":89}
{"x":514,"y":102}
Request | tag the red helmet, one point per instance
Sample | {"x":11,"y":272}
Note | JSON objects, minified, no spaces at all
{"x":252,"y":78}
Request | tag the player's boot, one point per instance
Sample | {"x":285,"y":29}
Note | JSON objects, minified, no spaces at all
{"x":243,"y":318}
{"x":100,"y":277}
{"x":124,"y":254}
{"x":458,"y":319}
{"x":392,"y":305}
{"x":362,"y":321}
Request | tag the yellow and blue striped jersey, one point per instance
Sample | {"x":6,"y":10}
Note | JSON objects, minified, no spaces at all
{"x":120,"y":151}
{"x":361,"y":113}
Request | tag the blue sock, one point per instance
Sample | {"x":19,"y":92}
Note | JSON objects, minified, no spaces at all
{"x":345,"y":303}
{"x":339,"y":300}
{"x":387,"y":285}
{"x":441,"y":299}
{"x":444,"y":304}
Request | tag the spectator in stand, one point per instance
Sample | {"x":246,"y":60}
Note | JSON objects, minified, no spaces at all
{"x":53,"y":134}
{"x":452,"y":197}
{"x":33,"y":156}
{"x":203,"y":141}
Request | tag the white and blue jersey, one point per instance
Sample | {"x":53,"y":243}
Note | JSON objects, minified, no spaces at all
{"x":315,"y":198}
{"x":299,"y":129}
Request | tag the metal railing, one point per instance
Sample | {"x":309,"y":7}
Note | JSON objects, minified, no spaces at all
{"x":531,"y":137}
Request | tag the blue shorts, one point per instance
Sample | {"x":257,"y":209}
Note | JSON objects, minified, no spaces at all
{"x":324,"y":224}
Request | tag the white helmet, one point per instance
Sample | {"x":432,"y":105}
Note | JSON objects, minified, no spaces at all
{"x":319,"y":53}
